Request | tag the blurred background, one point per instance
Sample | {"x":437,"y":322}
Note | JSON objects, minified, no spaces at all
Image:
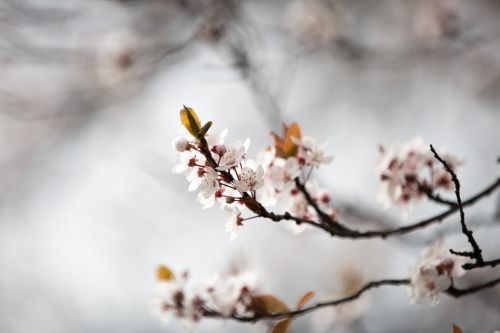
{"x":89,"y":98}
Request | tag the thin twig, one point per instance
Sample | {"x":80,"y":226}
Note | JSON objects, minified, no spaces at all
{"x":456,"y":292}
{"x":485,"y":263}
{"x":434,"y":197}
{"x":465,"y":230}
{"x":334,"y":225}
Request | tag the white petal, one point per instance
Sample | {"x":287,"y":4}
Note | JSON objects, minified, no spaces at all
{"x":241,"y":186}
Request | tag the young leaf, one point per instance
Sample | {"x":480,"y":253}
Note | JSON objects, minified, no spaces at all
{"x":304,"y":299}
{"x":190,"y":120}
{"x":282,"y":326}
{"x":163,"y":273}
{"x":268,"y":304}
{"x":457,"y":329}
{"x":285,"y":146}
{"x":205,"y":128}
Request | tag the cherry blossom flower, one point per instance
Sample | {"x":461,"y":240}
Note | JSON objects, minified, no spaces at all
{"x":282,"y":172}
{"x":311,"y":153}
{"x":181,"y":144}
{"x":227,"y":294}
{"x":279,"y":175}
{"x":209,"y":185}
{"x":433,"y":274}
{"x":250,"y":180}
{"x":233,"y":155}
{"x":191,"y":165}
{"x":214,"y":140}
{"x":233,"y":221}
{"x":230,"y":294}
{"x":406,"y":171}
{"x":169,"y":297}
{"x":187,"y":160}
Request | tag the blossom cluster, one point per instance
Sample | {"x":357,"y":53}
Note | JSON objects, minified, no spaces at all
{"x":222,"y":295}
{"x":223,"y":173}
{"x":434,"y":273}
{"x":407,"y":172}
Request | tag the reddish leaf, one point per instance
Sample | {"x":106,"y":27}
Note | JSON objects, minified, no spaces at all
{"x":285,"y":147}
{"x":282,"y":326}
{"x":304,"y":299}
{"x":268,"y":304}
{"x":457,"y":329}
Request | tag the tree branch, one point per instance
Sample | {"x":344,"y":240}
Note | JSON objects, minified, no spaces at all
{"x":317,"y":306}
{"x":452,"y":291}
{"x":388,"y":232}
{"x":335,"y":226}
{"x":491,"y":263}
{"x":434,"y":197}
{"x":476,"y":254}
{"x":456,"y":292}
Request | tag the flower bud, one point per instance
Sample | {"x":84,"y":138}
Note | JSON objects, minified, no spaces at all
{"x":181,"y":144}
{"x":220,"y":149}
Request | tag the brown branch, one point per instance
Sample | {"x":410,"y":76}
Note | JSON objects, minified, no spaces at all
{"x":335,"y":226}
{"x":389,"y":232}
{"x":476,"y":254}
{"x":484,"y":263}
{"x":317,"y":306}
{"x":452,"y":291}
{"x":434,"y":197}
{"x":456,"y":292}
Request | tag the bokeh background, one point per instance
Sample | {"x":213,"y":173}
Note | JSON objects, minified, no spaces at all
{"x":89,"y":98}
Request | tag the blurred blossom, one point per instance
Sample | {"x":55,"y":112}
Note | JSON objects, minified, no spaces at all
{"x":228,"y":294}
{"x":436,"y":19}
{"x":350,"y":281}
{"x":434,"y":273}
{"x":406,"y":172}
{"x":117,"y":59}
{"x":314,"y":21}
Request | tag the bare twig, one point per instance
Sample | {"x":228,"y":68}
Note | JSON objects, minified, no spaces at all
{"x":456,"y":292}
{"x":434,"y":197}
{"x":325,"y":218}
{"x":484,"y":263}
{"x":476,"y":254}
